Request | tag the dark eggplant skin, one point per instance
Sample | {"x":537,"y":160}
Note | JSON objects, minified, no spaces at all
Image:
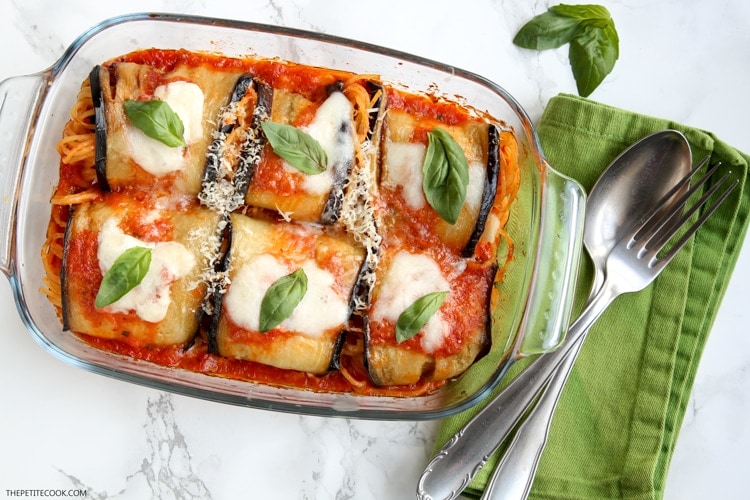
{"x":339,"y":180}
{"x":100,"y":128}
{"x":332,"y":209}
{"x":216,"y":298}
{"x":337,"y":348}
{"x":489,"y":191}
{"x":211,"y":169}
{"x":250,"y":149}
{"x":65,"y":304}
{"x":337,"y":86}
{"x":375,"y":89}
{"x":256,"y":140}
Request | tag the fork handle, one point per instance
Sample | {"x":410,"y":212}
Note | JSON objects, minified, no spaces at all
{"x":514,"y":475}
{"x":464,"y":455}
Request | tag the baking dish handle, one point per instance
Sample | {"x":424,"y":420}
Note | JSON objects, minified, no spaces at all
{"x":559,"y":253}
{"x":19,"y":99}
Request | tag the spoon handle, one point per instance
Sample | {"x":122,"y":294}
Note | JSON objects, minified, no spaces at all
{"x":464,"y":455}
{"x":514,"y":475}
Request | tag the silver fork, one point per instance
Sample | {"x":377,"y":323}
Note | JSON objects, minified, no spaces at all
{"x":633,"y":264}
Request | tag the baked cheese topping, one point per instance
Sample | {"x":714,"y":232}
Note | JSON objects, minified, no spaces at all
{"x":399,"y":171}
{"x":403,"y":169}
{"x":320,"y":310}
{"x":185,"y":99}
{"x":331,"y":127}
{"x":170,"y":261}
{"x":409,"y":277}
{"x":158,"y":159}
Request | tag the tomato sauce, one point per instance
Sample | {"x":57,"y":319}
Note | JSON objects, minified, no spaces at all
{"x":428,"y":106}
{"x":196,"y":358}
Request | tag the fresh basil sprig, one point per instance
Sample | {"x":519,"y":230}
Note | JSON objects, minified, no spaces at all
{"x":281,"y":298}
{"x":414,"y":317}
{"x":590,"y":31}
{"x":296,"y":146}
{"x":126,"y":273}
{"x":157,"y":120}
{"x":445,"y":175}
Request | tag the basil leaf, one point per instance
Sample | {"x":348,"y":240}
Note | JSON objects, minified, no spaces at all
{"x":546,"y":31}
{"x":592,"y":55}
{"x":445,"y":175}
{"x":157,"y":120}
{"x":581,"y":11}
{"x":127,"y":271}
{"x":281,"y":298}
{"x":297,"y":147}
{"x":414,"y":317}
{"x":590,"y":30}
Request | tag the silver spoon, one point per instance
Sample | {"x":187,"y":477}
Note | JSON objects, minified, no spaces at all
{"x":629,"y":179}
{"x":658,"y":160}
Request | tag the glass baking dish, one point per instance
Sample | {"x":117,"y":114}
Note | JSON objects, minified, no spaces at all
{"x":546,"y":226}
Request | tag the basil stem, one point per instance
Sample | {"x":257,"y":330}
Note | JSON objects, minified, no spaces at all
{"x":157,"y":120}
{"x":414,"y":317}
{"x":126,"y":273}
{"x":281,"y":298}
{"x":445,"y":175}
{"x":297,"y":147}
{"x":590,"y":30}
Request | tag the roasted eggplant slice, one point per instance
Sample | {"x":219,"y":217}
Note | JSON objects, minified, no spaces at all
{"x":164,"y":307}
{"x":490,"y":189}
{"x":100,"y":129}
{"x":277,"y":185}
{"x":260,"y":254}
{"x":135,"y":160}
{"x":359,"y":215}
{"x":229,"y":119}
{"x":255,"y":141}
{"x":234,"y":152}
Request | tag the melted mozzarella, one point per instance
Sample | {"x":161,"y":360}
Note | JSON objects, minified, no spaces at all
{"x":403,"y":167}
{"x":170,"y":261}
{"x":320,"y":309}
{"x":332,"y":128}
{"x":185,"y":99}
{"x":475,"y":188}
{"x":409,"y":277}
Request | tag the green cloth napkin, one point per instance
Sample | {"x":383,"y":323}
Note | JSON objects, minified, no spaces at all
{"x":618,"y":418}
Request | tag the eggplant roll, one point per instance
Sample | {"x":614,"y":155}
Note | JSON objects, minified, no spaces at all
{"x":327,"y":116}
{"x":261,"y":253}
{"x":454,"y":335}
{"x":421,"y":253}
{"x":165,"y":305}
{"x":235,"y":151}
{"x":132,"y":159}
{"x":404,"y":146}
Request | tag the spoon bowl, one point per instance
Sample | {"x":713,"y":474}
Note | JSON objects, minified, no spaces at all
{"x":630,"y":187}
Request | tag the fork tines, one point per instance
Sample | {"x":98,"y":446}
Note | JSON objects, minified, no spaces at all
{"x":654,"y":233}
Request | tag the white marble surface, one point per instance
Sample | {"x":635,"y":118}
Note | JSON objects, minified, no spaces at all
{"x":63,"y":428}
